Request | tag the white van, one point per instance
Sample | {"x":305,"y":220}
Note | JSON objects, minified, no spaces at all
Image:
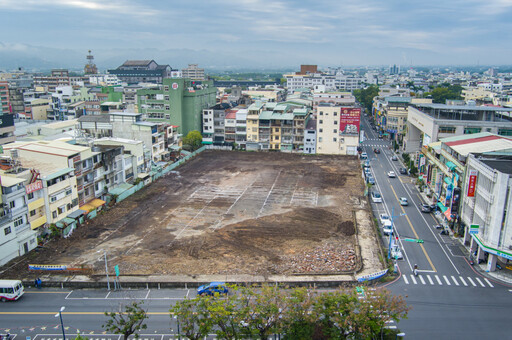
{"x":11,"y":290}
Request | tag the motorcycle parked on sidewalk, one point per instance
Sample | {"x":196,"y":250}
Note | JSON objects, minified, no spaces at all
{"x":444,"y":232}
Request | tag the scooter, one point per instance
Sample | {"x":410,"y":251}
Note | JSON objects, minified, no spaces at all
{"x":444,"y":232}
{"x":471,"y":261}
{"x":438,"y":226}
{"x":415,"y":270}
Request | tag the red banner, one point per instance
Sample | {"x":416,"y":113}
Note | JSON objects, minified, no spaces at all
{"x":350,"y":118}
{"x":472,"y":183}
{"x":37,"y":185}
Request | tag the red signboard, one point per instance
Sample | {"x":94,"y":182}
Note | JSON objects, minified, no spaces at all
{"x":350,"y":118}
{"x":37,"y":185}
{"x":472,"y":183}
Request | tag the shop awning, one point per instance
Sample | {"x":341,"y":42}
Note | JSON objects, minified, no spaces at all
{"x":448,"y":214}
{"x":76,"y":214}
{"x":95,"y":203}
{"x":441,"y":207}
{"x":448,"y":180}
{"x":451,"y":165}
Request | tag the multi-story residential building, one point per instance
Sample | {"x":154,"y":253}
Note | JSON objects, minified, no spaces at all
{"x":486,"y":206}
{"x":427,"y":123}
{"x":214,"y":119}
{"x":337,"y":130}
{"x":310,"y":77}
{"x":241,"y":128}
{"x":16,"y":236}
{"x":270,"y":95}
{"x":193,"y":72}
{"x":310,"y":137}
{"x":104,"y":79}
{"x":135,"y":148}
{"x":5,"y":105}
{"x":37,"y":109}
{"x":141,"y":71}
{"x":7,"y":129}
{"x":65,"y":155}
{"x":230,"y":126}
{"x":276,"y":126}
{"x":60,"y":77}
{"x":178,"y":102}
{"x":344,"y":99}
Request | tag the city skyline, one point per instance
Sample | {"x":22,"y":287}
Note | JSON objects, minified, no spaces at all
{"x":258,"y":33}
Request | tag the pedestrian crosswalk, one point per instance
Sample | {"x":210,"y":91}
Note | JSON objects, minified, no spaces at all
{"x":446,"y":280}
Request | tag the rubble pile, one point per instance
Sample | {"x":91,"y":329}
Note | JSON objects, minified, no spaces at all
{"x":323,"y":259}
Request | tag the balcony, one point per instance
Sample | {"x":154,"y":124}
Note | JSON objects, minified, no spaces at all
{"x":38,"y":222}
{"x":5,"y":217}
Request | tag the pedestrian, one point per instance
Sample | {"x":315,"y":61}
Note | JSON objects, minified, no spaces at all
{"x":35,"y":285}
{"x":39,"y":283}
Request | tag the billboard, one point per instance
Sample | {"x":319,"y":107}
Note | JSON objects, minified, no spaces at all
{"x":350,"y":119}
{"x":455,"y":201}
{"x":472,"y":183}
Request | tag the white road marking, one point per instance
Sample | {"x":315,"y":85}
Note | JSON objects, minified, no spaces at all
{"x":430,"y":280}
{"x":406,"y":281}
{"x":421,"y":279}
{"x":438,"y":281}
{"x":480,"y":282}
{"x":456,"y":283}
{"x":488,"y":282}
{"x":471,"y":281}
{"x":413,"y":279}
{"x":463,"y":282}
{"x":447,"y":281}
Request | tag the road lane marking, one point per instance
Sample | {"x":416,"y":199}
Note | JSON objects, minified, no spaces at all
{"x":421,"y":279}
{"x":447,"y":281}
{"x":463,"y":282}
{"x":438,"y":281}
{"x":34,"y":292}
{"x":415,"y":233}
{"x":456,"y":283}
{"x":106,"y":297}
{"x":471,"y":281}
{"x":480,"y":282}
{"x":488,"y":282}
{"x":430,"y":280}
{"x":406,"y":281}
{"x":413,"y":279}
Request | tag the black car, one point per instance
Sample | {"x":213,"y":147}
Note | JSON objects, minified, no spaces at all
{"x":426,"y":208}
{"x":402,"y":171}
{"x":376,"y":150}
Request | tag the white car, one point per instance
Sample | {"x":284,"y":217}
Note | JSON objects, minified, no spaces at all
{"x":391,"y":174}
{"x":388,"y":228}
{"x":396,"y":253}
{"x":383,"y":218}
{"x":376,"y":197}
{"x":403,"y":201}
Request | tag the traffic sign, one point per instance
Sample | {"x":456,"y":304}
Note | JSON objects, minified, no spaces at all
{"x":473,"y":229}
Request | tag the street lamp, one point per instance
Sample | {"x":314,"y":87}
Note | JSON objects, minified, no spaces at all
{"x":178,"y":323}
{"x":106,"y":266}
{"x":59,"y":315}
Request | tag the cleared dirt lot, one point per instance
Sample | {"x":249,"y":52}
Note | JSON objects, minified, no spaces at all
{"x":228,"y":213}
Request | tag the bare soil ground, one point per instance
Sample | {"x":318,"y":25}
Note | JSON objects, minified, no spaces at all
{"x":226,"y":213}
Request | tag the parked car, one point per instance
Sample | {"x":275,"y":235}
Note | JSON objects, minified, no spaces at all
{"x":394,"y":158}
{"x":370,"y":180}
{"x":402,"y":171}
{"x":213,"y":288}
{"x":391,"y":174}
{"x":384,"y":217}
{"x":396,"y":253}
{"x":425,"y":208}
{"x":376,"y":150}
{"x":403,"y":201}
{"x":387,"y":228}
{"x":376,"y":197}
{"x":364,"y":155}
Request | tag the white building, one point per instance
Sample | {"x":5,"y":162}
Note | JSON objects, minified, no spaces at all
{"x":241,"y":127}
{"x":310,"y":137}
{"x":486,"y":205}
{"x":337,"y":130}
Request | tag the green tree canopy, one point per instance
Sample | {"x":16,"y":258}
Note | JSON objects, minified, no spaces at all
{"x":126,"y":321}
{"x":445,"y":91}
{"x":192,"y":141}
{"x":365,"y":96}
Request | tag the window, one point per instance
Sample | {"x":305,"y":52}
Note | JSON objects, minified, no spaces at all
{"x":334,"y":139}
{"x":166,"y":88}
{"x":32,"y":212}
{"x":335,"y":131}
{"x":335,"y":122}
{"x":335,"y":114}
{"x":7,"y":230}
{"x":321,"y":121}
{"x":320,"y":130}
{"x":68,"y":206}
{"x":505,"y":132}
{"x":30,"y":196}
{"x":61,"y":209}
{"x":320,"y":139}
{"x":468,"y":131}
{"x":447,"y":129}
{"x":18,"y":221}
{"x":321,"y":113}
{"x":12,"y":204}
{"x":54,"y":214}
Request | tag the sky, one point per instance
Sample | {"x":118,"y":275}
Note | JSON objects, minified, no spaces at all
{"x":255,"y":33}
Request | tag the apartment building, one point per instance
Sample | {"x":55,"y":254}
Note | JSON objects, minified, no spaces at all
{"x":7,"y":129}
{"x":269,"y":95}
{"x":344,"y":99}
{"x":5,"y":105}
{"x":135,"y":148}
{"x":16,"y":236}
{"x":213,"y":122}
{"x":337,"y":130}
{"x":178,"y":102}
{"x":141,"y":71}
{"x":193,"y":72}
{"x":427,"y":123}
{"x":241,"y":128}
{"x":310,"y":137}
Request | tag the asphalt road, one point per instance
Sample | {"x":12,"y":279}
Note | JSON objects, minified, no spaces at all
{"x":449,"y":298}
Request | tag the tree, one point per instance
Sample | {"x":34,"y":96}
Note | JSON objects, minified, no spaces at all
{"x":192,"y":141}
{"x":365,"y":96}
{"x":298,"y":320}
{"x":194,"y":317}
{"x":127,"y":321}
{"x":445,"y":91}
